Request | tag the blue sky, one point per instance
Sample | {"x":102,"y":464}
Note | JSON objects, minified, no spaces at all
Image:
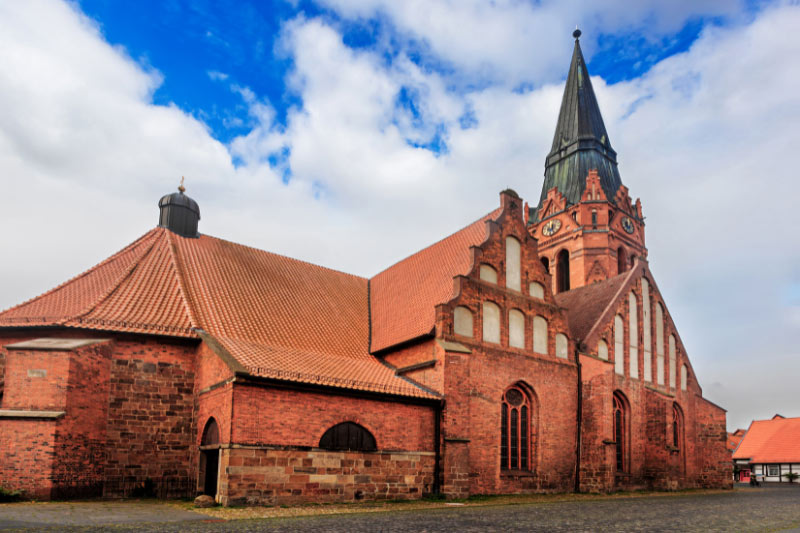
{"x":192,"y":42}
{"x":352,"y":133}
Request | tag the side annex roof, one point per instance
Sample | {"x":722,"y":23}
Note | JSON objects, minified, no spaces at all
{"x":279,"y":317}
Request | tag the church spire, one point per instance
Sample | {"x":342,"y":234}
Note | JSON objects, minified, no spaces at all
{"x":580,"y":143}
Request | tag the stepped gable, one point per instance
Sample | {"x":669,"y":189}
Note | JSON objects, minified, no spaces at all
{"x":403,"y":297}
{"x":771,"y":441}
{"x":277,"y":317}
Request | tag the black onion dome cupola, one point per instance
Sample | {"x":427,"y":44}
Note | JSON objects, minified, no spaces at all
{"x":179,"y":213}
{"x":581,"y":142}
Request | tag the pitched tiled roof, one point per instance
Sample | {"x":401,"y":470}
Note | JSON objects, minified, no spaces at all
{"x":771,"y":441}
{"x":278,"y":317}
{"x":587,"y":305}
{"x":403,"y":297}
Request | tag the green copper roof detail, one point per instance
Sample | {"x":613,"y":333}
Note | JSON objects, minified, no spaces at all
{"x":581,"y":142}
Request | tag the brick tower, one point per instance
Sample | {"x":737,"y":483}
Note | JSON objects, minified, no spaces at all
{"x":586,"y":225}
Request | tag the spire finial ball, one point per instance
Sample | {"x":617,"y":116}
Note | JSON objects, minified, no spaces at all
{"x":181,"y":188}
{"x":576,"y":33}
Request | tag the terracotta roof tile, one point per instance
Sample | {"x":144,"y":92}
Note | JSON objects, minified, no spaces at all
{"x":404,"y":296}
{"x":586,"y":305}
{"x":771,"y":441}
{"x":279,"y":317}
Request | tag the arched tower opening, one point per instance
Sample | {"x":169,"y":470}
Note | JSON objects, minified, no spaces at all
{"x":562,"y":271}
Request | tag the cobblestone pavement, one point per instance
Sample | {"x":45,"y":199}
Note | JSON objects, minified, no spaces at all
{"x":744,"y":510}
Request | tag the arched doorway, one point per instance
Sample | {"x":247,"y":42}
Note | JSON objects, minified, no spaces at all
{"x":562,"y":271}
{"x":209,"y":459}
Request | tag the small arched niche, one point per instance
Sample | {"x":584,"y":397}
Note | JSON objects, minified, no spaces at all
{"x":462,"y":321}
{"x":488,"y":274}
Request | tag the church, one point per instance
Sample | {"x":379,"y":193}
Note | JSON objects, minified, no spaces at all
{"x":531,"y":351}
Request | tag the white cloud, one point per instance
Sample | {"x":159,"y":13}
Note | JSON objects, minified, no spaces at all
{"x":705,"y":138}
{"x":516,"y":41}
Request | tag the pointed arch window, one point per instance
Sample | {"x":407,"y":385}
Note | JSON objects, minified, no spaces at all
{"x":515,"y":430}
{"x":513,"y":264}
{"x":621,"y":433}
{"x":621,"y":262}
{"x":619,"y":346}
{"x":633,"y":335}
{"x":647,"y":338}
{"x":677,"y":427}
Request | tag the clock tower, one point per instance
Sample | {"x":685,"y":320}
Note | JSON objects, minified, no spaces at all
{"x":587,"y":227}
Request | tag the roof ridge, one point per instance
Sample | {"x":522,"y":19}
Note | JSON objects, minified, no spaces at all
{"x":484,"y":217}
{"x":613,"y":301}
{"x":188,"y":306}
{"x":285,"y":257}
{"x":116,"y":285}
{"x":109,"y":259}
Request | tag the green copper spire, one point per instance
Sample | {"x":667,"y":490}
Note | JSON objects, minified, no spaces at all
{"x":581,"y":141}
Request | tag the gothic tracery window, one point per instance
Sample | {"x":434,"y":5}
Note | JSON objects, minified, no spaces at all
{"x":515,"y":430}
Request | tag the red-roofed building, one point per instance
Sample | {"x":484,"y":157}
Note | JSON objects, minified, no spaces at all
{"x":770,"y":449}
{"x":530,"y":351}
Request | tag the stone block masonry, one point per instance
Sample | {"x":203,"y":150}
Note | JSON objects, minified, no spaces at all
{"x":273,"y":475}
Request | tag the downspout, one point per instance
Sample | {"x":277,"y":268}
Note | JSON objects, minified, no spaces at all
{"x":437,"y":447}
{"x":578,"y":424}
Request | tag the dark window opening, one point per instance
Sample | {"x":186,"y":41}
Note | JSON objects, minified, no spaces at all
{"x":348,"y":436}
{"x":209,"y":458}
{"x":515,"y":430}
{"x":563,"y":271}
{"x":677,"y":427}
{"x":546,"y":263}
{"x":594,"y":219}
{"x":621,"y":260}
{"x":620,"y":432}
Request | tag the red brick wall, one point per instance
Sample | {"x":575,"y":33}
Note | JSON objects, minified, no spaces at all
{"x":715,"y":467}
{"x":430,"y":376}
{"x":474,"y":383}
{"x":293,"y":418}
{"x":27,"y":448}
{"x":211,"y":369}
{"x":270,"y":475}
{"x":78,"y":468}
{"x":151,"y":418}
{"x":51,"y":388}
{"x":597,"y":455}
{"x":654,"y":461}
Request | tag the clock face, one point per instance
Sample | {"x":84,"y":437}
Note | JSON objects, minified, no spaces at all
{"x":551,"y":228}
{"x":627,"y":224}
